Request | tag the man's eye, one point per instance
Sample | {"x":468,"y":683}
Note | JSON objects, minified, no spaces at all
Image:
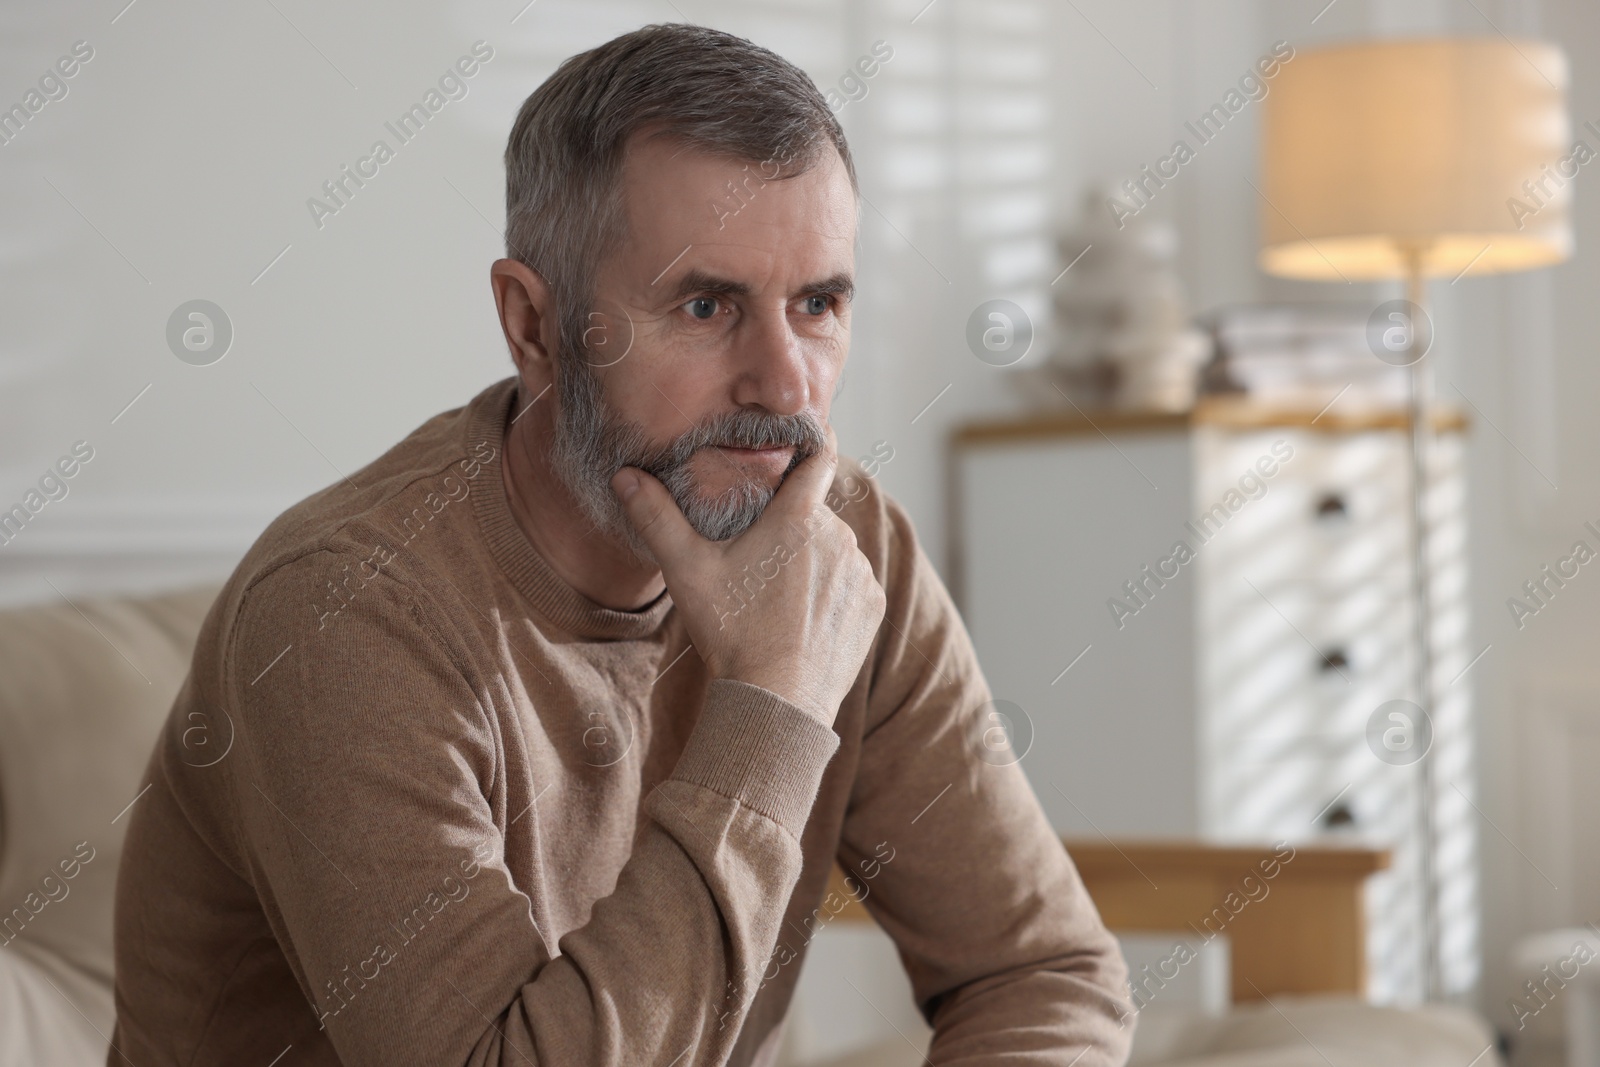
{"x":702,"y":307}
{"x":816,"y":305}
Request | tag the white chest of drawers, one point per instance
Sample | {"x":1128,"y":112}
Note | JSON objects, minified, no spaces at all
{"x":1200,"y":614}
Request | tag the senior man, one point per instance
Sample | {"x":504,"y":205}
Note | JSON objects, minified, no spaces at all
{"x":535,"y":740}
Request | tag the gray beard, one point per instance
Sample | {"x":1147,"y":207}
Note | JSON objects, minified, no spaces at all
{"x":591,"y":445}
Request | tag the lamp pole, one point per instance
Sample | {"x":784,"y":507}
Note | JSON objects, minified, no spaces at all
{"x":1418,"y":396}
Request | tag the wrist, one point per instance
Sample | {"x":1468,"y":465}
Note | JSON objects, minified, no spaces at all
{"x":788,"y":687}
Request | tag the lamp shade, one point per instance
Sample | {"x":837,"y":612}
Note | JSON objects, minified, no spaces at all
{"x":1456,"y":150}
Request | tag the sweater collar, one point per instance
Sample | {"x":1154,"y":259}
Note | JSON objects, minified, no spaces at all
{"x":488,"y":415}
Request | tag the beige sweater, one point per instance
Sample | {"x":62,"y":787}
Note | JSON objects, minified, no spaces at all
{"x":420,"y":802}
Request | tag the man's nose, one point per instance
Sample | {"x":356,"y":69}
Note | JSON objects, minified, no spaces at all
{"x":772,"y":366}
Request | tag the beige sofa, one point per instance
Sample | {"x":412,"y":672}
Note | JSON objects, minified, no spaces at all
{"x":83,"y":690}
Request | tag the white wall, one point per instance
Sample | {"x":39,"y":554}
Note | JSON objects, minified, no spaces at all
{"x":178,"y":167}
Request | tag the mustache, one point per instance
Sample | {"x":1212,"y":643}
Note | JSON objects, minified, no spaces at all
{"x":804,"y":433}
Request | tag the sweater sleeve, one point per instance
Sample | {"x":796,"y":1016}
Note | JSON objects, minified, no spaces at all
{"x":367,"y":760}
{"x":1005,"y":950}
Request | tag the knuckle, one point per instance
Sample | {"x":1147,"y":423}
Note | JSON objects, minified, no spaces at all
{"x":878,"y":593}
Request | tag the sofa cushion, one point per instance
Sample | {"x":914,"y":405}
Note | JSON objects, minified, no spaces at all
{"x":84,"y":688}
{"x":1289,"y":1032}
{"x":53,"y":1013}
{"x":1319,"y":1031}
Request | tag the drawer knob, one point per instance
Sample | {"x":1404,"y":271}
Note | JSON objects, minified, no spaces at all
{"x":1338,"y":817}
{"x":1331,"y":506}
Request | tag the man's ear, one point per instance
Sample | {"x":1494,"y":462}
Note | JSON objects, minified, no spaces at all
{"x":527,"y":317}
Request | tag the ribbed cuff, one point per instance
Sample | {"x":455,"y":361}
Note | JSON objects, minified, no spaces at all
{"x":757,"y":748}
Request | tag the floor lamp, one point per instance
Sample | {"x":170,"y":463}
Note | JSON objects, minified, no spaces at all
{"x":1415,"y":159}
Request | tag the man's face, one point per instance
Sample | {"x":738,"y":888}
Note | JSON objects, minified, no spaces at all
{"x":719,"y":328}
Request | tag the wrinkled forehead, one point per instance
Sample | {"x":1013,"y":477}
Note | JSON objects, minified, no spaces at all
{"x":688,"y":209}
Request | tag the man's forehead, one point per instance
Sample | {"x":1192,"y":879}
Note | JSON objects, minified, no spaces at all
{"x":691,"y":209}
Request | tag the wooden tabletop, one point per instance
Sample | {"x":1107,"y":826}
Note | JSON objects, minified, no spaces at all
{"x":1098,"y":857}
{"x":1226,"y":412}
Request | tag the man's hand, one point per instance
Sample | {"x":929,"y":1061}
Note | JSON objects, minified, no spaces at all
{"x":804,"y":633}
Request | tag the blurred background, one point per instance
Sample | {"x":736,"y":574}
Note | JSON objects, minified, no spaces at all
{"x":1066,"y":360}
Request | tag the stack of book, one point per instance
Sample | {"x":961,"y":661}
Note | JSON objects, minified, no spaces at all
{"x":1302,"y":355}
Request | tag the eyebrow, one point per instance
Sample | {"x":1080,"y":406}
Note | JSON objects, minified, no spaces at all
{"x":698,"y":281}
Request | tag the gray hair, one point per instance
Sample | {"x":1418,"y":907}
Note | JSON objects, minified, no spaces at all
{"x":705,"y":88}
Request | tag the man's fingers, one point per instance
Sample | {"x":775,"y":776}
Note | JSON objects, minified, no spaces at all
{"x":653,"y":513}
{"x":807,"y":485}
